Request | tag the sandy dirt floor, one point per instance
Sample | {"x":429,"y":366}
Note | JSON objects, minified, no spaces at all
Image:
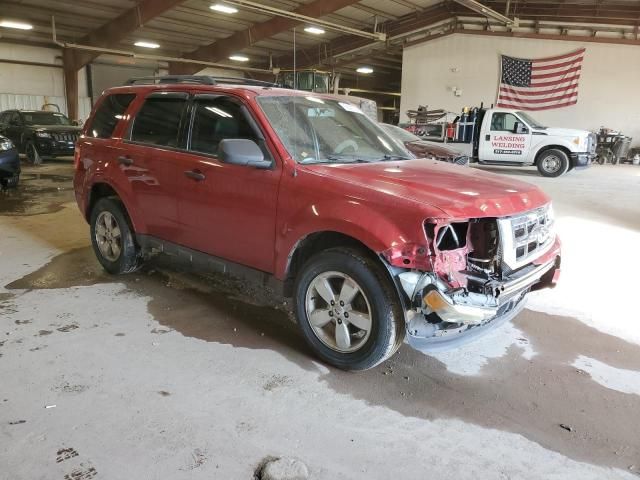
{"x":163,"y":374}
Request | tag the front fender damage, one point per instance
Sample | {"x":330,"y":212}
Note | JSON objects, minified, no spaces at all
{"x":453,"y":288}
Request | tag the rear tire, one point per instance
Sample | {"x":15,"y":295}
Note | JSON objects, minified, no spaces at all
{"x":32,"y":153}
{"x":553,"y":163}
{"x":112,"y":237}
{"x":359,"y":330}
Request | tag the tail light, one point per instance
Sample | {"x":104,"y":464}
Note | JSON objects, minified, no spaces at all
{"x":76,"y":157}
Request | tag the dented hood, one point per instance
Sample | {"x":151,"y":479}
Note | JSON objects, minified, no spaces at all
{"x":458,"y":192}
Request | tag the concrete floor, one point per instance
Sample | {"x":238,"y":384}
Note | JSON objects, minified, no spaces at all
{"x":165,"y":375}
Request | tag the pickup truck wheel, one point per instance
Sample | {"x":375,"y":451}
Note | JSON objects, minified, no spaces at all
{"x":347,"y":310}
{"x":112,"y":237}
{"x":32,"y":153}
{"x":553,"y":163}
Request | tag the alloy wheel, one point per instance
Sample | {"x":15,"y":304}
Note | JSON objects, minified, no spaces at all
{"x":108,"y":236}
{"x":338,"y":312}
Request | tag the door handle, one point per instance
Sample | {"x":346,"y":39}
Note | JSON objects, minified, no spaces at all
{"x":195,"y":175}
{"x":487,"y":137}
{"x":125,"y":161}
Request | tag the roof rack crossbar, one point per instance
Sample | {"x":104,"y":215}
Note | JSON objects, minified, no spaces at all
{"x":198,"y":80}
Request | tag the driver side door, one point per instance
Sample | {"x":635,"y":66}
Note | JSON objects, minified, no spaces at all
{"x":502,"y":143}
{"x":226,"y":210}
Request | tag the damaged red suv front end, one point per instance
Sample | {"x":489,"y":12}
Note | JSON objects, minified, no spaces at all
{"x":465,"y":247}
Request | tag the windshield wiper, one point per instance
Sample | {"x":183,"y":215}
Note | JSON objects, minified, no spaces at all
{"x":335,"y":159}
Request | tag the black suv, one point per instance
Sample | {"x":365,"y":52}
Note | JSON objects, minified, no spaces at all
{"x":39,"y":134}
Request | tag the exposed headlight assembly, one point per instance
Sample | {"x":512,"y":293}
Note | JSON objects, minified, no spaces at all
{"x":6,"y":145}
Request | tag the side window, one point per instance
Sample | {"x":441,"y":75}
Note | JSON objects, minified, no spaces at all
{"x":503,"y":122}
{"x":108,"y":114}
{"x":158,"y":121}
{"x":216,"y":119}
{"x":4,"y":117}
{"x":15,"y":119}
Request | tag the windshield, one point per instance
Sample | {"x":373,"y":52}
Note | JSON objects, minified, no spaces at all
{"x":317,"y":130}
{"x":530,"y":120}
{"x":45,"y":118}
{"x":400,"y":133}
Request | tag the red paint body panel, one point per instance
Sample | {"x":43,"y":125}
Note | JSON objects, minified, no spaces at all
{"x":257,"y":217}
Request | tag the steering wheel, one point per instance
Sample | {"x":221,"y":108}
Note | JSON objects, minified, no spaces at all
{"x":342,"y":146}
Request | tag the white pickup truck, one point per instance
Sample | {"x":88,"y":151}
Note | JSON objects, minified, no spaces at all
{"x":511,"y":137}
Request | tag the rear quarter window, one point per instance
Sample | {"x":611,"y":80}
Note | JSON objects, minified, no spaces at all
{"x":109,"y":114}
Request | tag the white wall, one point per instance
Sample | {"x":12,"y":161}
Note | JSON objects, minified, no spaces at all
{"x":609,"y":92}
{"x":30,"y":86}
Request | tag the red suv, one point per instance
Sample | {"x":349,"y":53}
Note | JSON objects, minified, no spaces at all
{"x":305,"y":192}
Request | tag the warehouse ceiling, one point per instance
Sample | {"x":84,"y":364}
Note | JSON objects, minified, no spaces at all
{"x":191,"y":29}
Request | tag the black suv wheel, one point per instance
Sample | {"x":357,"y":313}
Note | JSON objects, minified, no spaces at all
{"x":347,"y":309}
{"x":32,"y":153}
{"x":112,"y":237}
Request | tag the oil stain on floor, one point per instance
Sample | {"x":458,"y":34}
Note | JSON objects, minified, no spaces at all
{"x":535,"y":398}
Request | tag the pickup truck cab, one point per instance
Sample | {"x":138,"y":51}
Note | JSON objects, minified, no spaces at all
{"x":304,"y":192}
{"x":511,"y":137}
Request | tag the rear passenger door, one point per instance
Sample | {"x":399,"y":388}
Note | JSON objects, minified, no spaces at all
{"x":148,"y":158}
{"x":226,"y":210}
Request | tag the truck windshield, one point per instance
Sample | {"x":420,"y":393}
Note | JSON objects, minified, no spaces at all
{"x":45,"y":118}
{"x":529,"y":119}
{"x":320,"y":130}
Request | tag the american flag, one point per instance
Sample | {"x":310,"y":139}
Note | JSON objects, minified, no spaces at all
{"x":541,"y":84}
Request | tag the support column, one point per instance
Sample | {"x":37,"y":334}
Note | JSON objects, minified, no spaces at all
{"x":70,"y":82}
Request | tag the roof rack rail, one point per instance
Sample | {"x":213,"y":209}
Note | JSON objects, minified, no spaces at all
{"x":198,"y":80}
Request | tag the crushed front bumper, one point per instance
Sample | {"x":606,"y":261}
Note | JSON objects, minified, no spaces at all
{"x":442,"y":319}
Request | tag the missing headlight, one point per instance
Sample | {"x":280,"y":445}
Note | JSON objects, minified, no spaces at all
{"x":452,"y":236}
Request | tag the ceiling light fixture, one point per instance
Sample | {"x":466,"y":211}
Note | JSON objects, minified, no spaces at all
{"x":146,"y":44}
{"x":239,"y":58}
{"x":315,"y":30}
{"x":365,"y":70}
{"x":18,"y":25}
{"x":218,"y":7}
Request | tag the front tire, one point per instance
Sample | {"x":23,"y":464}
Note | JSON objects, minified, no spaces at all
{"x":32,"y":153}
{"x":553,"y":163}
{"x":348,"y":310}
{"x":112,"y":237}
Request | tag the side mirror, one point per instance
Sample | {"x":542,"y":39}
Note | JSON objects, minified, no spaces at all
{"x":246,"y":153}
{"x":519,"y":128}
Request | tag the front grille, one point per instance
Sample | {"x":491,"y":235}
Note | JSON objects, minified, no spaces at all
{"x":592,"y":143}
{"x":65,"y":137}
{"x":527,"y":236}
